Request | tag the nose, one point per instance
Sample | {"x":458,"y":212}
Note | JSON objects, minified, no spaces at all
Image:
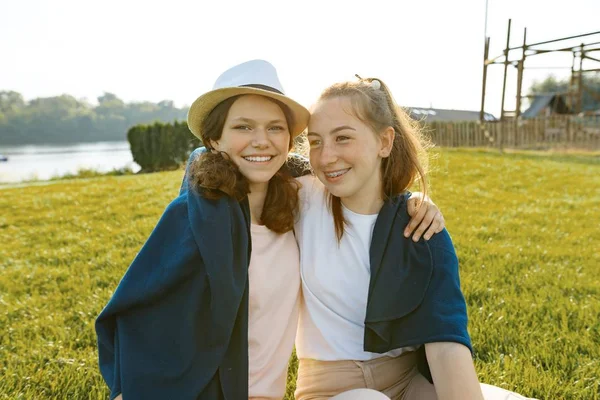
{"x":328,"y":154}
{"x":261,"y":139}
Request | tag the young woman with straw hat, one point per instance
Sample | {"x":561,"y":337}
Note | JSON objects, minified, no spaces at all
{"x":208,"y":309}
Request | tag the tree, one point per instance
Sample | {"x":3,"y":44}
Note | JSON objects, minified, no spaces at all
{"x":65,"y":119}
{"x":109,"y":99}
{"x":11,"y":102}
{"x":591,"y":92}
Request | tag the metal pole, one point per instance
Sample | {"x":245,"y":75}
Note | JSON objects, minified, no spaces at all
{"x":561,"y":39}
{"x":580,"y":87}
{"x":572,"y":84}
{"x":591,"y":58}
{"x":486,"y":51}
{"x":505,"y":70}
{"x":520,"y":76}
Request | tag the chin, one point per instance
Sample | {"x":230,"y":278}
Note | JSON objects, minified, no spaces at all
{"x":260,"y":178}
{"x":339,"y":191}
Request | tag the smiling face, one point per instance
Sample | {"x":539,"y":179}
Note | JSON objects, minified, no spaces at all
{"x":345,"y":153}
{"x":256,"y":138}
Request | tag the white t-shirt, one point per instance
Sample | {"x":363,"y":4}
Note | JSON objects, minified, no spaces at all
{"x":335,"y":280}
{"x":274,"y":302}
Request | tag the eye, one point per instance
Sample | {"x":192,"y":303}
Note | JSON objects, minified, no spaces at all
{"x":342,"y":138}
{"x":314,"y":142}
{"x":242,"y":127}
{"x":277,"y":128}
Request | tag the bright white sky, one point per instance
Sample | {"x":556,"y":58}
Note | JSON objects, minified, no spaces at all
{"x":428,"y":51}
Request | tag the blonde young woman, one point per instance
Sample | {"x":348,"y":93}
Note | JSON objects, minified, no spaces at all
{"x":208,"y":309}
{"x":380,"y":313}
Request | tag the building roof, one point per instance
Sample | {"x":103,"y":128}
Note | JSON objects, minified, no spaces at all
{"x":440,"y":114}
{"x":541,"y":102}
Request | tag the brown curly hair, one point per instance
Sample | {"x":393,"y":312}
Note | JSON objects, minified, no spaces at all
{"x":215,"y":176}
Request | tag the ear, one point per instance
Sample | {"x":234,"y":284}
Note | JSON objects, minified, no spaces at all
{"x":387,"y":142}
{"x":213,"y":145}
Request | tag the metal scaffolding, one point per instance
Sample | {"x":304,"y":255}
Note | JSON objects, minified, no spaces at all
{"x":583,"y":51}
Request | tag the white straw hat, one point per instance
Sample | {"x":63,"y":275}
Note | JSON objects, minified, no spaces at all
{"x":252,"y":77}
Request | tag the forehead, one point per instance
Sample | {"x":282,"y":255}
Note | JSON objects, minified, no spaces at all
{"x":254,"y":107}
{"x":335,"y":111}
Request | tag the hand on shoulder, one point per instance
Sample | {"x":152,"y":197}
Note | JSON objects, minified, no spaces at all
{"x":426,"y":218}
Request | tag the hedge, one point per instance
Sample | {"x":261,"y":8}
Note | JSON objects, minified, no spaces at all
{"x":161,"y":146}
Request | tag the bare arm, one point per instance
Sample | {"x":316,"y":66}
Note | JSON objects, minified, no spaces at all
{"x":453,"y":372}
{"x":119,"y":397}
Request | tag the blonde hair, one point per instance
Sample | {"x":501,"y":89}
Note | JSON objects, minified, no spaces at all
{"x":373,"y":103}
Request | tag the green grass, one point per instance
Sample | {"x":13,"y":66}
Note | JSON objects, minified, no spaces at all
{"x":526,"y":228}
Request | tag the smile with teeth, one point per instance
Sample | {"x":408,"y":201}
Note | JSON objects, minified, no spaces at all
{"x":258,"y":158}
{"x":335,"y":174}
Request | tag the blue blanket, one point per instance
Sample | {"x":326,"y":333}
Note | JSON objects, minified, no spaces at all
{"x":177,"y":325}
{"x":414,"y":291}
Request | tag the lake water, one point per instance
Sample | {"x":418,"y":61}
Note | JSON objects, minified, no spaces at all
{"x":47,"y":161}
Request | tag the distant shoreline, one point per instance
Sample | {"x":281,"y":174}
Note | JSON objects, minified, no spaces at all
{"x":54,"y":148}
{"x":80,"y":175}
{"x":46,"y":162}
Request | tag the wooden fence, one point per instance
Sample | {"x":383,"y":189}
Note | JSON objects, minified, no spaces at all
{"x":570,"y":132}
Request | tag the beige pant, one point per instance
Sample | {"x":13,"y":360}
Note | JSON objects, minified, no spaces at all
{"x":396,"y":378}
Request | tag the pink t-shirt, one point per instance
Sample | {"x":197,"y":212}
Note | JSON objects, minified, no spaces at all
{"x":274,"y":276}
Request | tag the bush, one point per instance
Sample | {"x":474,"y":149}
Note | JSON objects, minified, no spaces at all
{"x":161,"y":147}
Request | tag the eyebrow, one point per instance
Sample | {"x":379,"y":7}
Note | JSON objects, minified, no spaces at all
{"x":335,"y":130}
{"x":249,"y":120}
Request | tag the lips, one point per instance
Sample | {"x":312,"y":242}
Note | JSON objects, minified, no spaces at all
{"x":336,"y":174}
{"x":258,"y":159}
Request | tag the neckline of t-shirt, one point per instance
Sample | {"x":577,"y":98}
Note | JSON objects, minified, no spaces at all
{"x":357,"y":215}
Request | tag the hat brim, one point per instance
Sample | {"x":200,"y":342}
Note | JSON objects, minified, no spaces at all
{"x":204,"y":104}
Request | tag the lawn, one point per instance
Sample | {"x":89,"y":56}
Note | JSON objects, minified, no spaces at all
{"x":526,"y":229}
